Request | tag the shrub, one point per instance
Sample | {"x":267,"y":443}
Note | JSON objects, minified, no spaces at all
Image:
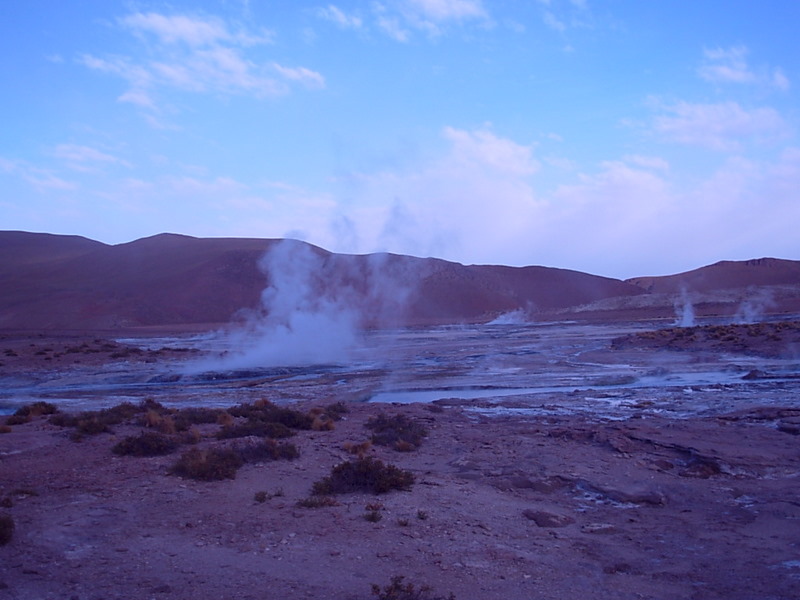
{"x":256,"y":428}
{"x":267,"y":450}
{"x":148,"y":443}
{"x":373,"y":516}
{"x":364,"y":475}
{"x":17,"y":420}
{"x":211,"y":464}
{"x":5,"y":429}
{"x":317,"y":502}
{"x":397,"y":590}
{"x":36,"y":409}
{"x":398,"y":431}
{"x":336,"y":410}
{"x":186,"y":417}
{"x":267,"y":412}
{"x":6,"y":529}
{"x":91,"y":424}
{"x":260,"y":497}
{"x":359,"y":450}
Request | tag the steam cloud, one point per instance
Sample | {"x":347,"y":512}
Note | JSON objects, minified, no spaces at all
{"x":684,"y":311}
{"x":316,"y":306}
{"x":753,"y":308}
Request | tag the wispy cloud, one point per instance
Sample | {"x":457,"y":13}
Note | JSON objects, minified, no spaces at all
{"x":399,"y":19}
{"x":730,"y":65}
{"x":307,"y":77}
{"x":42,"y":180}
{"x":561,"y":15}
{"x":194,"y":31}
{"x":446,"y":10}
{"x":723,"y":126}
{"x":336,"y":15}
{"x":198,"y":54}
{"x":85,"y":158}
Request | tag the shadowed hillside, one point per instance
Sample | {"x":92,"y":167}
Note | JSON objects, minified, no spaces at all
{"x":67,"y":282}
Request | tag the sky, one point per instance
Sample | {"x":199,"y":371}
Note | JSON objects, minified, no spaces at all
{"x":619,"y":137}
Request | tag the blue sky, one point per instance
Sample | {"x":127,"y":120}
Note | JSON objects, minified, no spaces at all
{"x":620,"y":138}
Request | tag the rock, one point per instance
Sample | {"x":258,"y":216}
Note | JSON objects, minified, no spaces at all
{"x":790,"y":425}
{"x":627,"y":496}
{"x":547,"y":519}
{"x":702,"y":468}
{"x":600,"y":528}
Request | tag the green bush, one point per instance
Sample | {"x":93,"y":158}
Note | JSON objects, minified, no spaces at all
{"x":364,"y":475}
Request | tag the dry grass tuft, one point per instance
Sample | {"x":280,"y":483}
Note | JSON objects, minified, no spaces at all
{"x":398,"y":590}
{"x":398,"y":431}
{"x":212,"y":464}
{"x":148,"y":443}
{"x":363,"y":475}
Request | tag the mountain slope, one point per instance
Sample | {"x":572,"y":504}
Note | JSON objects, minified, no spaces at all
{"x":64,"y":282}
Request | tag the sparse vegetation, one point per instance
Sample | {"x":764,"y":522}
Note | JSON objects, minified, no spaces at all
{"x":317,"y":502}
{"x":398,"y":590}
{"x":186,"y":417}
{"x":24,"y":414}
{"x":364,"y":475}
{"x":255,"y":428}
{"x":6,"y":529}
{"x":336,"y":410}
{"x":210,"y":464}
{"x":147,"y":443}
{"x":267,"y":450}
{"x":398,"y":432}
{"x":267,"y":412}
{"x":373,"y":516}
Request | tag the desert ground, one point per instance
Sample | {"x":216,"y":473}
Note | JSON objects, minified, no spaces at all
{"x":560,"y":460}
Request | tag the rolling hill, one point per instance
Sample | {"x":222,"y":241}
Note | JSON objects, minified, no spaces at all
{"x":55,"y":282}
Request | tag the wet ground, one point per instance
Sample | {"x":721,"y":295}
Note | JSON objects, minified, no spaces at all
{"x":560,"y":462}
{"x":546,"y":368}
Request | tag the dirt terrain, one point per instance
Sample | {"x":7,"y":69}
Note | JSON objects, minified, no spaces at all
{"x":504,"y":504}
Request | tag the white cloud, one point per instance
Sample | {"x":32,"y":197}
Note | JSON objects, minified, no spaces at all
{"x":730,"y":65}
{"x":336,"y":15}
{"x":445,"y":10}
{"x":42,"y":180}
{"x":648,"y":162}
{"x":193,"y":31}
{"x":399,"y":19}
{"x":85,"y":158}
{"x":723,"y":126}
{"x":307,"y":77}
{"x":198,"y":55}
{"x":483,"y":149}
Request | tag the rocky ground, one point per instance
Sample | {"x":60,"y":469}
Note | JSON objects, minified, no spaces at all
{"x":500,"y":508}
{"x":524,"y":506}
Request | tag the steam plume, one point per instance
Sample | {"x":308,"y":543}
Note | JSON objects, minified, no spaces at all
{"x":684,"y":311}
{"x":316,"y":306}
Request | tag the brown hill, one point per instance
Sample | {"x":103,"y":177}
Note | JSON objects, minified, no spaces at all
{"x":68,"y":282}
{"x":725,"y":274}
